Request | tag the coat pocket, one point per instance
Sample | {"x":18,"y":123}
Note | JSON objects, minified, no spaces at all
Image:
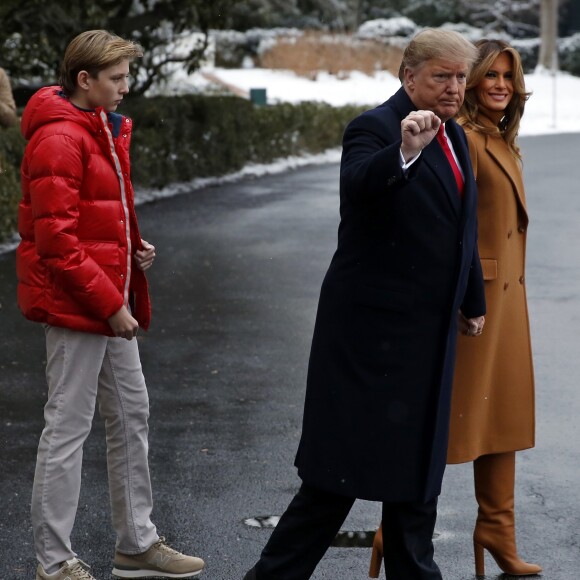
{"x":103,"y":253}
{"x":489,"y":268}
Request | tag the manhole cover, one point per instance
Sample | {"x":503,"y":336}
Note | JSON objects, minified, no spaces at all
{"x":344,"y":538}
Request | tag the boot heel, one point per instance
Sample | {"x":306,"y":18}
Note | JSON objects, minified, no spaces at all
{"x":377,"y":555}
{"x":375,"y":567}
{"x":479,"y":559}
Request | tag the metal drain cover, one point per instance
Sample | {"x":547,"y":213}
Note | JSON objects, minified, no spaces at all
{"x":344,"y":539}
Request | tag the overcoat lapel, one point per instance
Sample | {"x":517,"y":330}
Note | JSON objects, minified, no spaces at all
{"x":433,"y":155}
{"x":509,"y":165}
{"x":437,"y":161}
{"x":462,"y":152}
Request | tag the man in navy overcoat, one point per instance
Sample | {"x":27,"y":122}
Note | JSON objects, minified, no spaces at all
{"x":406,"y":268}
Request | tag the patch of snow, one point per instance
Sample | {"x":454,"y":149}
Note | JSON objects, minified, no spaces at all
{"x":385,"y":28}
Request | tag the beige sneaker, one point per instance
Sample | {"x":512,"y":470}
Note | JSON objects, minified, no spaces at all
{"x":159,"y":561}
{"x":73,"y":569}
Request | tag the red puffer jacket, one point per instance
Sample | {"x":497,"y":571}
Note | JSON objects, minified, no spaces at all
{"x":77,"y":218}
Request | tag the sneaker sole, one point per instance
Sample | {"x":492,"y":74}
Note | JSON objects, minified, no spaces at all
{"x":152,"y":574}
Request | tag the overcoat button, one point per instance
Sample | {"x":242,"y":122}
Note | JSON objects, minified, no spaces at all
{"x":505,"y":286}
{"x":510,"y":234}
{"x":521,"y":229}
{"x":522,"y":279}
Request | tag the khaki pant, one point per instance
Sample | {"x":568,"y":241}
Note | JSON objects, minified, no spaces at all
{"x":82,"y":369}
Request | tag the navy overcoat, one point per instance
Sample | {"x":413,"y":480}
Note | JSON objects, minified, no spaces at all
{"x":376,"y":416}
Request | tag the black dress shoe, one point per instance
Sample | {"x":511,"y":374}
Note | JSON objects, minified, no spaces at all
{"x":251,"y":575}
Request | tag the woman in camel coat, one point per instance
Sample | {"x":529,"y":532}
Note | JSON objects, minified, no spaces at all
{"x":492,"y":412}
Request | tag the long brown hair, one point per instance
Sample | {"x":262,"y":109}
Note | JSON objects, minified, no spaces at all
{"x":469,"y":113}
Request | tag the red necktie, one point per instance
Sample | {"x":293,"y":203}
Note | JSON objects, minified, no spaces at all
{"x":456,"y":172}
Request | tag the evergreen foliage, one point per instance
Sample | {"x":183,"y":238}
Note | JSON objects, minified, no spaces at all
{"x":569,"y":54}
{"x":11,"y":150}
{"x":34,"y":33}
{"x":177,"y":139}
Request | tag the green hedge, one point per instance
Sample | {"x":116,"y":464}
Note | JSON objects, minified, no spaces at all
{"x":180,"y":138}
{"x":568,"y":53}
{"x":177,"y":139}
{"x":11,"y":150}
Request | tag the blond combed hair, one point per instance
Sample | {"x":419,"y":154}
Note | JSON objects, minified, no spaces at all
{"x":94,"y":51}
{"x":437,"y":43}
{"x":469,"y":114}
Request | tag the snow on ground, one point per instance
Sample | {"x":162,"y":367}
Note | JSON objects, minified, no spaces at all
{"x":541,"y":116}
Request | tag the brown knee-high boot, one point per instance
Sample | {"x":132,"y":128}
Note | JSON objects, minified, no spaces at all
{"x":495,"y":527}
{"x":377,"y":555}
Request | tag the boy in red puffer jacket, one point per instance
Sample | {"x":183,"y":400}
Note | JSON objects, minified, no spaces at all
{"x":80,"y":267}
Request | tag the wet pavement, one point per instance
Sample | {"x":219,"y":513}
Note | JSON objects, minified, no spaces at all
{"x":235,"y":287}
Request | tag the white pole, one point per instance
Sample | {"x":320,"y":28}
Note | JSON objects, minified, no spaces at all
{"x":554,"y":26}
{"x":554,"y":98}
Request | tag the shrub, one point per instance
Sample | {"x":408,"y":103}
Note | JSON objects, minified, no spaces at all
{"x":11,"y":150}
{"x":386,"y":28}
{"x":529,"y":49}
{"x":180,"y":138}
{"x":233,"y":48}
{"x":569,"y":54}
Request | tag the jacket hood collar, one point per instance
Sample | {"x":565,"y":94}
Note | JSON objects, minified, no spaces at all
{"x":49,"y":105}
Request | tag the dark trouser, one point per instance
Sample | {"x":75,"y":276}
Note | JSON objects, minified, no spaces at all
{"x":408,"y":540}
{"x":312,"y":520}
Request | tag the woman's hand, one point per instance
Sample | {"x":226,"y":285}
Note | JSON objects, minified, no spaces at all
{"x":470,"y":326}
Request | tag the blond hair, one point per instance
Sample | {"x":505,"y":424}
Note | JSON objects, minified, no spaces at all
{"x":436,"y":43}
{"x":469,"y":113}
{"x":94,"y":51}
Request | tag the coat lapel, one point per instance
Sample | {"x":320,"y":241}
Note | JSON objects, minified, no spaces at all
{"x":509,"y":165}
{"x":434,"y":157}
{"x":462,"y":152}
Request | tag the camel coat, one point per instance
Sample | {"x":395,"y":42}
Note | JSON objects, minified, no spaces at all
{"x":492,"y":407}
